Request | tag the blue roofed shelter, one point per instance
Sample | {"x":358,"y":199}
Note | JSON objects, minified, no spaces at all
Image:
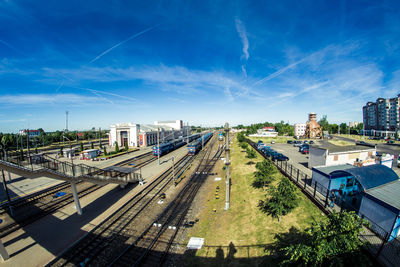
{"x":372,"y":191}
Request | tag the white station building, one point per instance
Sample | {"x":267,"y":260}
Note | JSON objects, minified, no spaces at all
{"x":141,"y":135}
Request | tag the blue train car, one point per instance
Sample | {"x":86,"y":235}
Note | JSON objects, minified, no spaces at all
{"x":195,"y":146}
{"x":164,"y":149}
{"x":220,"y":136}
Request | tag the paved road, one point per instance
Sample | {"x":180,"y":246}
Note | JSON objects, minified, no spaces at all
{"x":301,"y":161}
{"x":393,"y":149}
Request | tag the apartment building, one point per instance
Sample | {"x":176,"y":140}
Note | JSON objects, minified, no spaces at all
{"x":381,"y":118}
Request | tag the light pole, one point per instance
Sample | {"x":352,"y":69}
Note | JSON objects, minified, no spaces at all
{"x":173,"y":168}
{"x":158,"y":145}
{"x":70,"y":155}
{"x":5,"y":184}
{"x":227,"y":162}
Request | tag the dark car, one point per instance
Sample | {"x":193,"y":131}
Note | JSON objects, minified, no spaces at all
{"x":305,"y":142}
{"x":390,"y":142}
{"x":311,"y":142}
{"x":297,"y":143}
{"x":280,"y":157}
{"x":163,"y":195}
{"x":289,"y":141}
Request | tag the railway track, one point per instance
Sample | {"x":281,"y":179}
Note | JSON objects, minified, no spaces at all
{"x":33,"y":207}
{"x":152,"y":246}
{"x":44,"y":206}
{"x":112,"y":233}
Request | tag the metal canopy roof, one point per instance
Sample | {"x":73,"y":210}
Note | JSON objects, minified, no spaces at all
{"x":388,"y":193}
{"x":327,"y":170}
{"x":120,"y":169}
{"x":370,"y":176}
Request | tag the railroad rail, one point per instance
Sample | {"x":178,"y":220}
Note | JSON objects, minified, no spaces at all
{"x":152,"y":246}
{"x":111,"y":230}
{"x":32,"y":213}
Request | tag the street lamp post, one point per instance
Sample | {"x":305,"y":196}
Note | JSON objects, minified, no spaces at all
{"x":173,"y":168}
{"x":70,"y":155}
{"x":5,"y":185}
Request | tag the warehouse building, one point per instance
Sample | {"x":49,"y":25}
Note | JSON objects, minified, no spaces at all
{"x":330,"y":155}
{"x":142,"y":135}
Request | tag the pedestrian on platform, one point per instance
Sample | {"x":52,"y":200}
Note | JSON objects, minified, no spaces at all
{"x":332,"y":198}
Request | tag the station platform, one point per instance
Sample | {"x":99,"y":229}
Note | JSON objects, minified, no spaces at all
{"x":41,"y":241}
{"x":19,"y":186}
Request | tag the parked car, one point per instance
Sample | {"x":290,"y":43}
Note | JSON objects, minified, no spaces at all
{"x":305,"y":142}
{"x":304,"y":147}
{"x":311,"y":142}
{"x":297,"y":143}
{"x":290,"y":141}
{"x":390,"y":142}
{"x":305,"y":151}
{"x":280,"y":157}
{"x":272,"y":142}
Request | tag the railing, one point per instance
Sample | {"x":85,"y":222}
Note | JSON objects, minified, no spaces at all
{"x":37,"y":162}
{"x":381,"y":244}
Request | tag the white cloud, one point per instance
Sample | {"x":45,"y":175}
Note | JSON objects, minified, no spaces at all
{"x":40,"y":99}
{"x":243,"y":37}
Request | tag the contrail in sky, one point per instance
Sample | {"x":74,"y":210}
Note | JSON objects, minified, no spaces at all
{"x":124,"y":41}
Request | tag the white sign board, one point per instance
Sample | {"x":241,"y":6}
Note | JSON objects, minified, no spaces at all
{"x":218,"y":179}
{"x":195,"y":243}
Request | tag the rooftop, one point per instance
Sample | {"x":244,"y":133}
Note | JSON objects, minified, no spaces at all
{"x":388,"y":193}
{"x":328,"y":169}
{"x":339,"y":149}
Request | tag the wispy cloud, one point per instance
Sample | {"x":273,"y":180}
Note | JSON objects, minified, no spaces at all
{"x":121,"y":43}
{"x":279,"y":72}
{"x":240,"y":28}
{"x":41,"y":99}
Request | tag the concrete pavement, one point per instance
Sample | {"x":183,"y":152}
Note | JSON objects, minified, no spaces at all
{"x":41,"y":241}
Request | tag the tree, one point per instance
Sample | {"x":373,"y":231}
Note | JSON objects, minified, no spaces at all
{"x":332,"y":242}
{"x":282,"y":199}
{"x":324,"y":123}
{"x":81,"y":146}
{"x":251,"y":154}
{"x":241,"y":138}
{"x":105,"y":151}
{"x":61,"y":150}
{"x":396,"y":135}
{"x":264,"y":173}
{"x":21,"y":154}
{"x":243,"y":145}
{"x":116,"y":147}
{"x":91,"y":145}
{"x":344,"y":129}
{"x":126,"y":146}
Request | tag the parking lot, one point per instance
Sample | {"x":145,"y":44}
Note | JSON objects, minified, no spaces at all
{"x":300,"y":160}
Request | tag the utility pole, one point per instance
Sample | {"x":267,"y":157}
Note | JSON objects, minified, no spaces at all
{"x":8,"y":195}
{"x":187,"y":132}
{"x":100,"y":135}
{"x":27,"y":142}
{"x":66,"y":121}
{"x":158,"y":145}
{"x":227,"y":162}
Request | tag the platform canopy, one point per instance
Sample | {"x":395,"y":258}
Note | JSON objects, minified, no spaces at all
{"x":125,"y":170}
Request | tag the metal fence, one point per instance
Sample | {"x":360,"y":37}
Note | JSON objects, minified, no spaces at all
{"x":375,"y":237}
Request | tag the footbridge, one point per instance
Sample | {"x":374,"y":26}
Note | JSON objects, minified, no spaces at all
{"x":41,"y":165}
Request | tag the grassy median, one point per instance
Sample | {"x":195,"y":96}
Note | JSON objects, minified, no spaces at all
{"x":242,"y":235}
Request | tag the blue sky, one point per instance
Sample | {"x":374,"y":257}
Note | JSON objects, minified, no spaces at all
{"x":205,"y":62}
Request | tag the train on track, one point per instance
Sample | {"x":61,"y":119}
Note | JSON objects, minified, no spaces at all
{"x":195,"y":147}
{"x":165,"y":148}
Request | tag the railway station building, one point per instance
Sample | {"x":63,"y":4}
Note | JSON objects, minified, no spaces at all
{"x":142,"y":135}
